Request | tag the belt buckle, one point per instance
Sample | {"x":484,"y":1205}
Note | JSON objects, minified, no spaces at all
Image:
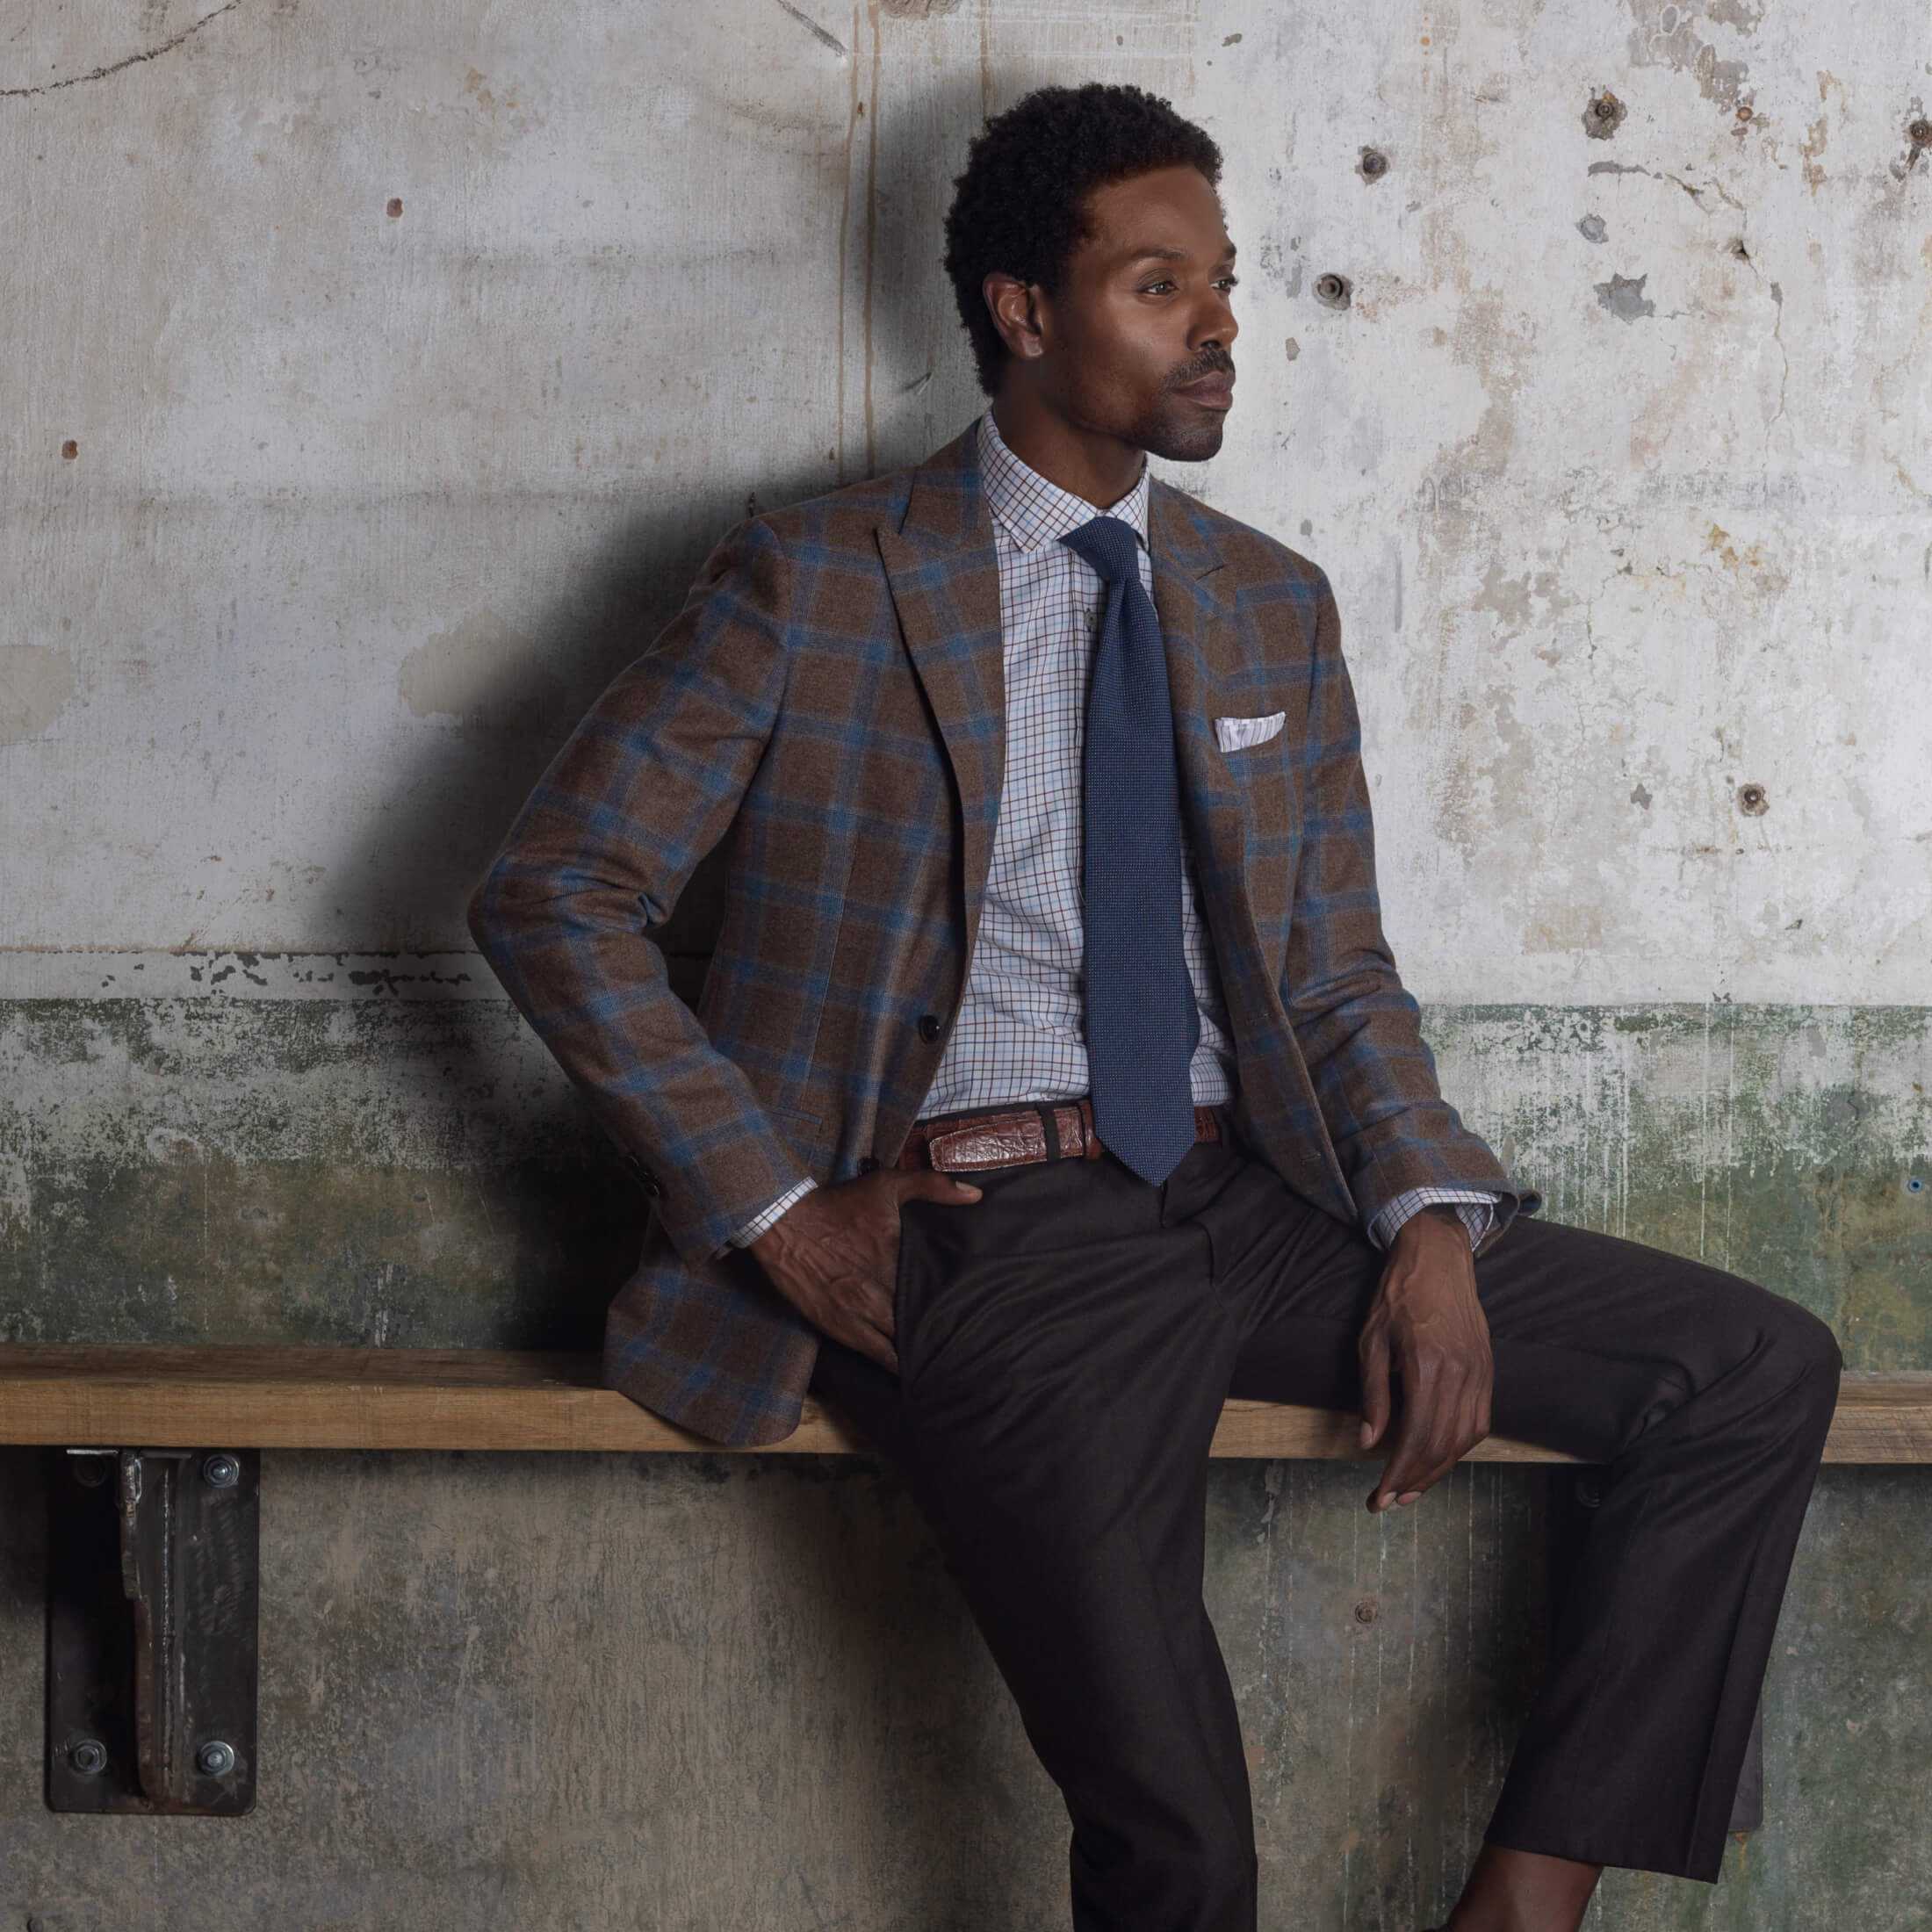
{"x":960,"y":1145}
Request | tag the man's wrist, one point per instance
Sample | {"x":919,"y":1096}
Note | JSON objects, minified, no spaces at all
{"x":1442,"y":1211}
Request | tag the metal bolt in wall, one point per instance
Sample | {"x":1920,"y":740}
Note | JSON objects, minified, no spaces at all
{"x":1751,"y":799}
{"x":1333,"y":290}
{"x":1603,"y":116}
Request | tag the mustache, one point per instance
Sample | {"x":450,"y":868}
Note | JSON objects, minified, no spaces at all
{"x":1221,"y":368}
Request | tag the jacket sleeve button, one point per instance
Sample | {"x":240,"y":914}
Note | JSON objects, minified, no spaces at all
{"x":929,"y":1025}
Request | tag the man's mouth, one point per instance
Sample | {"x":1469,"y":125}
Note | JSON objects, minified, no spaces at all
{"x":1216,"y":391}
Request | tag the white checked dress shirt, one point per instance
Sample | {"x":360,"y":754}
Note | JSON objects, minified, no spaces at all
{"x":1019,"y":1034}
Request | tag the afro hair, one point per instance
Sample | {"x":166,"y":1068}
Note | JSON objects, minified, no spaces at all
{"x":1020,"y":208}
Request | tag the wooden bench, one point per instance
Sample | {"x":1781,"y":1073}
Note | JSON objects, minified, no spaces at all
{"x":244,"y":1396}
{"x":153,"y":1456}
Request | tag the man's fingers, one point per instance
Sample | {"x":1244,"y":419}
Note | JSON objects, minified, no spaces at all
{"x":1447,"y":1424}
{"x":1374,"y":1357}
{"x":932,"y":1183}
{"x":874,"y":1343}
{"x":1409,"y":1492}
{"x":1424,"y":1438}
{"x":1406,"y":1454}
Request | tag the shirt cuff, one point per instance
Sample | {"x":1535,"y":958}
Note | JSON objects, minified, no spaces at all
{"x":767,"y":1217}
{"x":1475,"y":1206}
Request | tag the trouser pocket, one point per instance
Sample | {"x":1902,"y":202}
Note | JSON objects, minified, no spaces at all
{"x":901,"y":1327}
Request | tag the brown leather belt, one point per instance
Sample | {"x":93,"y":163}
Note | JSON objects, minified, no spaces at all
{"x":1011,"y":1136}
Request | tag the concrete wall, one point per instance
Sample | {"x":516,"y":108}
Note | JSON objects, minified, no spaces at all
{"x":376,"y":379}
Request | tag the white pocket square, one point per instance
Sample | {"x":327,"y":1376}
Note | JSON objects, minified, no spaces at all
{"x":1234,"y":734}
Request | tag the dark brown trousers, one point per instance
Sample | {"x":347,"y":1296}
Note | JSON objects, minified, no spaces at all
{"x":1066,"y":1345}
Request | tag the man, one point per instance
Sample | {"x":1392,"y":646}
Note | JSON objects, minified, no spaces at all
{"x":1052,"y":1079}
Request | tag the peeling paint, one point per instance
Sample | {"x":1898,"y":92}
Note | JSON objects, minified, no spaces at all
{"x":37,"y":684}
{"x":1667,"y":37}
{"x":477,"y":671}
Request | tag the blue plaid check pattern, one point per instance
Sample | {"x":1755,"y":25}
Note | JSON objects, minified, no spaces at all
{"x":832,"y":696}
{"x":1019,"y":1035}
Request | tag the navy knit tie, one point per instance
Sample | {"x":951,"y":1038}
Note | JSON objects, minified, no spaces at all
{"x":1141,"y":1022}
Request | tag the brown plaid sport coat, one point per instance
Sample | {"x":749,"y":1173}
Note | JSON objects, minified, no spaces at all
{"x":831,"y":696}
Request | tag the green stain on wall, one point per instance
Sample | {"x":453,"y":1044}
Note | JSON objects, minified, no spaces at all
{"x":1789,"y":1144}
{"x":391,"y":1173}
{"x":419,"y":1171}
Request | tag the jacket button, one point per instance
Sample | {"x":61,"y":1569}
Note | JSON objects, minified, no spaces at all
{"x":929,"y":1025}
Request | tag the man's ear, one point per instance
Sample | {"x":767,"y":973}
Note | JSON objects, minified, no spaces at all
{"x":1015,"y":313}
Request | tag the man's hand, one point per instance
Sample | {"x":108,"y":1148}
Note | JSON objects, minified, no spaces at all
{"x":833,"y":1254}
{"x":1428,"y":1327}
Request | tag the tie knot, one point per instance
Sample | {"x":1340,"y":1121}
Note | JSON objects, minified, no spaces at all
{"x":1109,"y":543}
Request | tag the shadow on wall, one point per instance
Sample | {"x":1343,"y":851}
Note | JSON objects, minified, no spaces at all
{"x":502,"y":697}
{"x":510,"y":697}
{"x":506,"y":700}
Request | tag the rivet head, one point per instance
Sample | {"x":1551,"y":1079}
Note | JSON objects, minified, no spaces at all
{"x":89,"y":1757}
{"x":1332,"y":289}
{"x":221,"y":1471}
{"x":1920,"y":132}
{"x":215,"y":1759}
{"x":1375,"y":163}
{"x":1603,"y":116}
{"x":1751,"y":799}
{"x":1367,"y":1611}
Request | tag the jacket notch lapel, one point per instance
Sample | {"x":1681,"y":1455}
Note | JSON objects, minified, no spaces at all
{"x":1203,"y":645}
{"x":944,"y":578}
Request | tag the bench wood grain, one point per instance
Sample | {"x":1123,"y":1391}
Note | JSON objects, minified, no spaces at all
{"x":247,"y":1397}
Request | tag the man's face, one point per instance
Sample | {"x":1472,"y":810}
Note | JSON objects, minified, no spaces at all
{"x":1145,"y":310}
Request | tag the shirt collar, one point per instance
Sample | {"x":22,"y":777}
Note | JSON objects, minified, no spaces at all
{"x":1030,"y":509}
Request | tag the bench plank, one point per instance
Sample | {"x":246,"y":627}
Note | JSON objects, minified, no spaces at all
{"x":245,"y":1396}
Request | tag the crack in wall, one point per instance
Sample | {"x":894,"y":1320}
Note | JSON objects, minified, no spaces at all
{"x":133,"y":60}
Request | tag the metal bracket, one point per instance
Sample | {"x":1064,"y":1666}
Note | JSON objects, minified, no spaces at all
{"x":1574,"y":1494}
{"x":152,"y":1589}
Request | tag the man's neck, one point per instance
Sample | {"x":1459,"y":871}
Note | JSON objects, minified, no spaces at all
{"x":1099,"y":469}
